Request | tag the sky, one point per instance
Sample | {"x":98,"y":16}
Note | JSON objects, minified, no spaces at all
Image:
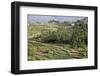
{"x":45,"y":18}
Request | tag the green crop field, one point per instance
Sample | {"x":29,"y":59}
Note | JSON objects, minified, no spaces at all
{"x":57,"y":41}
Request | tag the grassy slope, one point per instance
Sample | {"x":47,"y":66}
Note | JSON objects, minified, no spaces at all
{"x":45,"y":51}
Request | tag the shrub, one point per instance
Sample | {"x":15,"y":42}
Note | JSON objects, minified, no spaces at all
{"x":62,"y":35}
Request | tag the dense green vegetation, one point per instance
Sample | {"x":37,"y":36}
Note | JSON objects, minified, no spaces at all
{"x":57,"y":41}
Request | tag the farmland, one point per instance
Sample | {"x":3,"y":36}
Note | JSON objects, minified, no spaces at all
{"x":57,"y":41}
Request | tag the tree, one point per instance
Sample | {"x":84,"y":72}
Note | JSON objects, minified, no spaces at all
{"x":79,"y":35}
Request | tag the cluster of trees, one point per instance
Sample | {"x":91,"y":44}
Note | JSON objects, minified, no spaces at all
{"x":75,"y":35}
{"x":53,"y":21}
{"x":79,"y":36}
{"x":60,"y":23}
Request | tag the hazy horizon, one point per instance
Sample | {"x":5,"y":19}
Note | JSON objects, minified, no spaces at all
{"x":46,"y":18}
